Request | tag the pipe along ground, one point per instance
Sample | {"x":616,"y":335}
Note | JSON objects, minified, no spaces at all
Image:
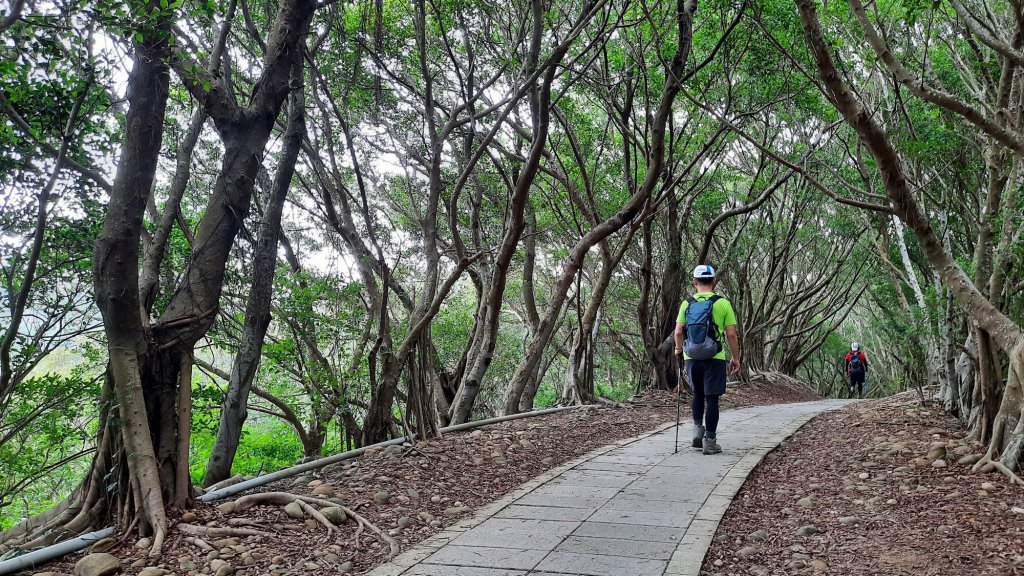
{"x":54,"y":551}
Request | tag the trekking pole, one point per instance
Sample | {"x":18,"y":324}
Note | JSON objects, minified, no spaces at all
{"x":679,"y":383}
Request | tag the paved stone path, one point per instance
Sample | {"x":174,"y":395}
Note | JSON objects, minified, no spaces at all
{"x":630,"y":509}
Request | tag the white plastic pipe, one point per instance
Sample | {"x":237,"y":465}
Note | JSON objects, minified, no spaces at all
{"x":43,"y":555}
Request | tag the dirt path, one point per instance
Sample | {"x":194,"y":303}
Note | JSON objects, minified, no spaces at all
{"x":877,"y":490}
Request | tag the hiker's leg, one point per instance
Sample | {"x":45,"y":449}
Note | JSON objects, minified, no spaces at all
{"x":696,"y":376}
{"x":711,"y":418}
{"x":714,"y":387}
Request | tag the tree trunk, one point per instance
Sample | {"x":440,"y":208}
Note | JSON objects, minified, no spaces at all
{"x":257,"y":311}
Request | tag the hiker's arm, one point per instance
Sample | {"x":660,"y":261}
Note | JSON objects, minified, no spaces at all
{"x":680,"y":327}
{"x":734,"y":347}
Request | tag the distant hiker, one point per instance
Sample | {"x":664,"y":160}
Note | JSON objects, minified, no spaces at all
{"x":856,"y":369}
{"x":704,"y":319}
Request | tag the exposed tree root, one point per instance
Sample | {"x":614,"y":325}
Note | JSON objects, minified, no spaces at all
{"x":194,"y":530}
{"x":364,"y":523}
{"x":311,"y":507}
{"x":236,"y":479}
{"x":200,"y":543}
{"x":987,"y":460}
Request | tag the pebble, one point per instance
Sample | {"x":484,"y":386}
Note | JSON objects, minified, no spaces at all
{"x":849,"y":520}
{"x":808,"y":530}
{"x":383,"y":497}
{"x":939,"y":464}
{"x":413,"y":495}
{"x":746,"y":552}
{"x":863,"y":475}
{"x":293,"y":510}
{"x":98,"y":564}
{"x":103,"y":545}
{"x":435,"y":499}
{"x":547,"y":461}
{"x":758,"y":535}
{"x":970,"y":459}
{"x":818,"y":565}
{"x":345,"y":566}
{"x":456,"y":510}
{"x":404,"y":522}
{"x":988,"y":486}
{"x":805,"y":502}
{"x":325,"y":490}
{"x":189,"y":517}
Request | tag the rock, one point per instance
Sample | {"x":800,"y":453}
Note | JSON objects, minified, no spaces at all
{"x":970,"y":459}
{"x":818,"y":565}
{"x":989,"y":467}
{"x":382,"y":497}
{"x":988,"y":486}
{"x":144,"y":544}
{"x":332,"y":558}
{"x":499,"y":459}
{"x":293,"y":510}
{"x":805,"y":502}
{"x":213,"y":555}
{"x":746,"y":551}
{"x":903,"y":470}
{"x":98,"y":564}
{"x":939,"y":464}
{"x":324,"y":490}
{"x":436,"y":524}
{"x":216,"y":564}
{"x":226,"y":508}
{"x":936,"y":431}
{"x":413,"y":495}
{"x":943,"y":529}
{"x":526,"y":444}
{"x":477,"y":460}
{"x":186,"y":565}
{"x":758,"y":535}
{"x":345,"y":567}
{"x":335,"y":515}
{"x":849,"y":520}
{"x":393,"y":449}
{"x":404,"y":522}
{"x":808,"y":530}
{"x":548,"y":461}
{"x":140,"y":563}
{"x":435,"y":499}
{"x":226,"y":570}
{"x":796,"y":565}
{"x":103,"y":545}
{"x":311,"y":523}
{"x":189,"y":517}
{"x":395,"y":532}
{"x":456,"y":510}
{"x":863,"y":475}
{"x":154,"y":572}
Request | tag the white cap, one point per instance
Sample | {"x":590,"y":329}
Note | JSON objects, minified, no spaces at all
{"x":704,"y":271}
{"x":855,"y":346}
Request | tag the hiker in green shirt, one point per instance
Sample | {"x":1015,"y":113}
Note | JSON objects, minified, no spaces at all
{"x":703,"y":319}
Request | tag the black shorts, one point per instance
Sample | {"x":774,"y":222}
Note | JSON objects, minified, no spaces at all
{"x":856,"y":378}
{"x":708,"y":375}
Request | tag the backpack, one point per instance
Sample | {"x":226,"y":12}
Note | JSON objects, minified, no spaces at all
{"x":855,"y":363}
{"x":701,"y":330}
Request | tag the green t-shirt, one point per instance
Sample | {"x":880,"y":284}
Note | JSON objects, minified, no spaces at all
{"x":722,"y":313}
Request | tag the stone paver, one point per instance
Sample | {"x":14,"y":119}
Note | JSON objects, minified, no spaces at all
{"x":632,"y":508}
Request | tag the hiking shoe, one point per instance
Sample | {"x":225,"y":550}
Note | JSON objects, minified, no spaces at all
{"x":711,"y":446}
{"x":698,"y":436}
